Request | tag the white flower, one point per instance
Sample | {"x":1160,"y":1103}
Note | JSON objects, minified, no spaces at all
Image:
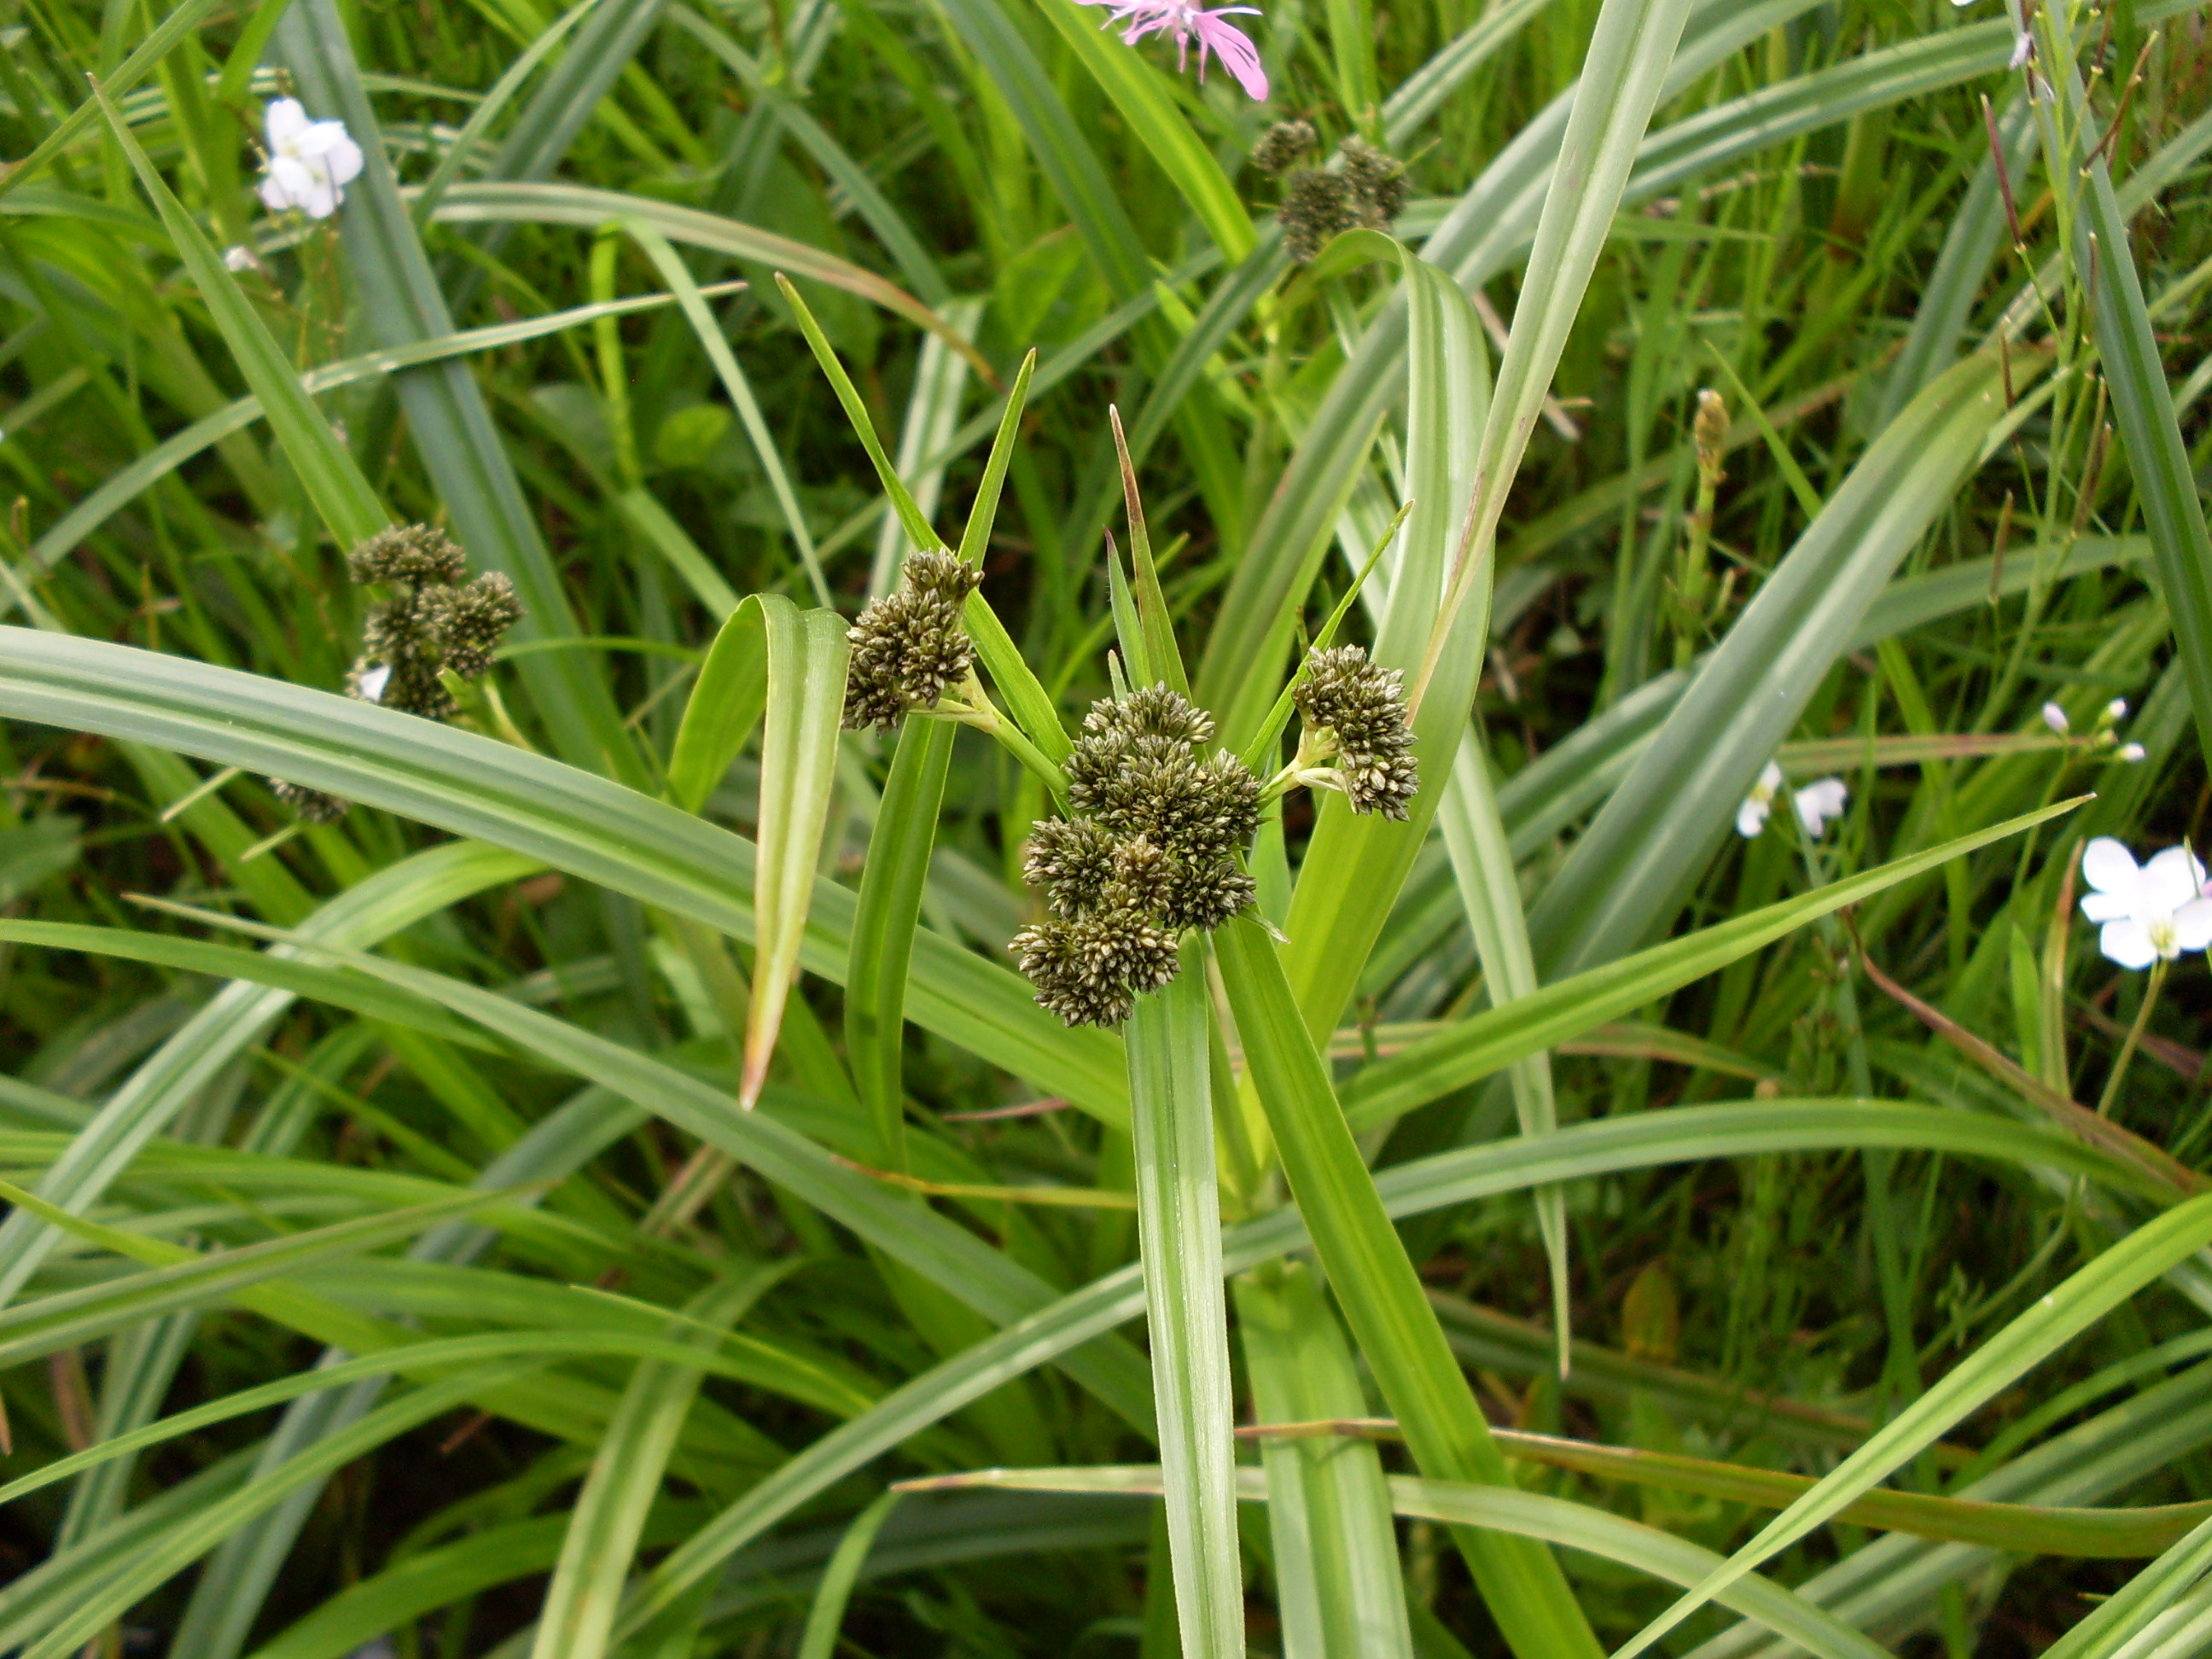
{"x":1751,"y":816}
{"x":2023,"y":48}
{"x":1819,"y":801}
{"x":2117,"y":709}
{"x":371,"y":688}
{"x":310,"y":162}
{"x":2132,"y":752}
{"x":2150,"y":911}
{"x":2055,"y":718}
{"x":239,"y":257}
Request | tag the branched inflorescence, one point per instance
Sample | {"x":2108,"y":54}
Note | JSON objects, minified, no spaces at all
{"x":910,"y":644}
{"x":1367,"y":188}
{"x":1150,"y":849}
{"x":435,"y":623}
{"x":1361,"y":710}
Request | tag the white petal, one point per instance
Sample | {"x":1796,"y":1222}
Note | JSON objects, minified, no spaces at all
{"x":322,"y":198}
{"x":2170,"y":881}
{"x":285,"y":120}
{"x":2132,"y":752}
{"x":1751,"y":817}
{"x":2128,"y":943}
{"x":239,"y":257}
{"x":2192,"y":925}
{"x":288,"y":183}
{"x":2110,"y":867}
{"x":371,"y":688}
{"x":2106,"y":907}
{"x":344,"y":161}
{"x":1819,"y":801}
{"x":2055,"y":718}
{"x":2117,"y":709}
{"x":1769,"y":779}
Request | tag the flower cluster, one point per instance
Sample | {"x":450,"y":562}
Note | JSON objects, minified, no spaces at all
{"x":2103,"y":736}
{"x":1355,"y":713}
{"x":310,"y":162}
{"x":1188,"y":21}
{"x":435,"y":624}
{"x":910,"y":644}
{"x":1816,"y":803}
{"x":1150,"y":849}
{"x":1366,"y":188}
{"x":2147,"y":913}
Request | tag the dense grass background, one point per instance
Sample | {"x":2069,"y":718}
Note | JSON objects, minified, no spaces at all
{"x":1814,"y":229}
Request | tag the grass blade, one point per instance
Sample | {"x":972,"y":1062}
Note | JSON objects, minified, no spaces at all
{"x":493,"y":791}
{"x":1139,"y":92}
{"x":578,"y":1613}
{"x":1543,"y":1019}
{"x":1381,"y":1295}
{"x":2058,"y":1317}
{"x":819,"y":1639}
{"x":1179,"y":1233}
{"x":806,"y":653}
{"x":1337,"y":1583}
{"x":891,"y":886}
{"x":1679,"y":800}
{"x":349,"y":507}
{"x":679,"y":277}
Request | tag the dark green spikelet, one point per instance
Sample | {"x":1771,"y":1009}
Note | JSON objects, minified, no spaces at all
{"x":1316,"y":206}
{"x":1055,"y":962}
{"x":1151,"y":850}
{"x":1374,"y":183}
{"x":1383,"y":777}
{"x":432,"y":624}
{"x":1364,"y":708}
{"x":1126,"y":946}
{"x":1196,"y":893}
{"x":1072,"y":859}
{"x":1150,"y":711}
{"x":310,"y":806}
{"x":414,"y":553}
{"x":910,"y":644}
{"x":1283,"y":146}
{"x":475,"y":620}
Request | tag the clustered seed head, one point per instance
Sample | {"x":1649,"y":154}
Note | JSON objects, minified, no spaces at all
{"x":1369,"y":189}
{"x":910,"y":644}
{"x":1364,"y":707}
{"x":434,"y":624}
{"x":1316,"y":207}
{"x":312,"y":805}
{"x":1151,"y":850}
{"x":1283,"y":146}
{"x":1376,"y":183}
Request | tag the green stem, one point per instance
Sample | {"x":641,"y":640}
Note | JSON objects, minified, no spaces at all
{"x":2135,"y":1037}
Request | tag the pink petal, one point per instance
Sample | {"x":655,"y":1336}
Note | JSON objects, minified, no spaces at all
{"x":1238,"y":54}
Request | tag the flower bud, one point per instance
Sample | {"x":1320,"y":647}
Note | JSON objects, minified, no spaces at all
{"x":1709,"y":432}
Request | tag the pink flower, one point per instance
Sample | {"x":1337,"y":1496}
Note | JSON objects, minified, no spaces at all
{"x":1186,"y":18}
